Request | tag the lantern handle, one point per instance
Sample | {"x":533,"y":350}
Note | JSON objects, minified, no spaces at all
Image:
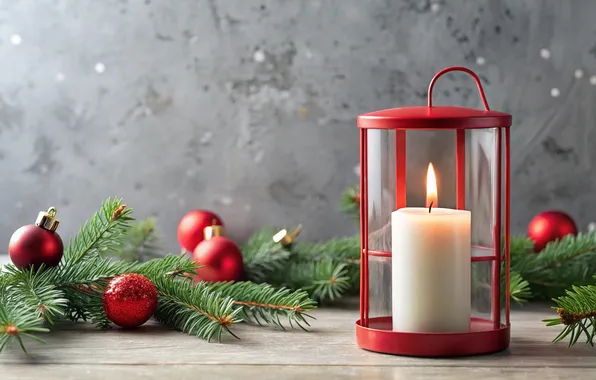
{"x":456,"y":68}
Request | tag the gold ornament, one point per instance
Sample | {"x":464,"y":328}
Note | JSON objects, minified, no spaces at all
{"x":213,"y":230}
{"x":285,"y":238}
{"x":47,"y":219}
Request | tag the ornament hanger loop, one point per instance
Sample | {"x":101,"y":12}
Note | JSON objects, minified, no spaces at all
{"x":52,"y":211}
{"x":457,"y":68}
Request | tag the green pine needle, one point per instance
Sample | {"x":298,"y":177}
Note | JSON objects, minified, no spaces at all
{"x":326,"y":270}
{"x":262,"y":302}
{"x":101,"y":234}
{"x":569,"y":261}
{"x":577,"y":312}
{"x":265,"y":260}
{"x":34,"y":291}
{"x":195,"y":309}
{"x":350,"y":202}
{"x":345,"y":249}
{"x":171,"y":266}
{"x":17,"y":318}
{"x":141,"y":242}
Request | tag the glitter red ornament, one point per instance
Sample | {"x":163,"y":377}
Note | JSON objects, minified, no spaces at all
{"x":550,"y":226}
{"x":37,"y":244}
{"x":219,"y":257}
{"x":130,"y":300}
{"x":192,"y":226}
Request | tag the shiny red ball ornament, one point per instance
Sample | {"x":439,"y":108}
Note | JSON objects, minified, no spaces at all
{"x":192,"y":226}
{"x":36,"y":244}
{"x":130,"y":300}
{"x":550,"y":226}
{"x":219,"y":257}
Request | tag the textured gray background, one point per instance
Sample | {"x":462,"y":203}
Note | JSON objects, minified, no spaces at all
{"x":248,"y":107}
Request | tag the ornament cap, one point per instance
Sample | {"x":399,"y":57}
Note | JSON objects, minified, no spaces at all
{"x":47,"y":219}
{"x":213,"y":230}
{"x":285,"y":238}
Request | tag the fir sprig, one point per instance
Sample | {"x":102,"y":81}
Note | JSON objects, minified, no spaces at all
{"x":35,"y":292}
{"x":263,"y":302}
{"x":563,"y":263}
{"x":266,"y":260}
{"x":326,"y":270}
{"x":195,"y":309}
{"x":141,"y":242}
{"x":170,"y":266}
{"x":346,"y":249}
{"x":100,"y":234}
{"x":577,"y":312}
{"x":519,"y":289}
{"x":350,"y":202}
{"x":556,"y":253}
{"x":17,"y":321}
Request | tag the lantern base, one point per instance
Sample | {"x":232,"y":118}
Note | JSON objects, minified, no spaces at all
{"x":482,"y":338}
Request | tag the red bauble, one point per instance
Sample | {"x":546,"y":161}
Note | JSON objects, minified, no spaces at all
{"x":550,"y":226}
{"x":130,"y":300}
{"x":220,"y":260}
{"x":37,"y":244}
{"x":192,"y":225}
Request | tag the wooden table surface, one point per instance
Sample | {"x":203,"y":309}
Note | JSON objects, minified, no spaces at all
{"x":327,"y":352}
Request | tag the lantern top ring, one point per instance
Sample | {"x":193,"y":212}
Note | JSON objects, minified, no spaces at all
{"x":437,"y":117}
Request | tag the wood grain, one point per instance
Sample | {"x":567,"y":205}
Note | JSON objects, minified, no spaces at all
{"x":328,"y":351}
{"x":276,"y":372}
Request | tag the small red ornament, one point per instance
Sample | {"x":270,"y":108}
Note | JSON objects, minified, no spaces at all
{"x":130,"y":300}
{"x":550,"y":226}
{"x":219,"y":257}
{"x":192,"y":226}
{"x":37,"y":244}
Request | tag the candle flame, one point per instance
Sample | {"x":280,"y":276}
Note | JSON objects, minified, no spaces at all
{"x":431,"y":187}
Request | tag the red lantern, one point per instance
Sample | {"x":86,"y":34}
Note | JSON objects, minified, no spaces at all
{"x":430,"y":276}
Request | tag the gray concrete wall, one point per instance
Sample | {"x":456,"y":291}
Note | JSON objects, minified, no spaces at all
{"x":248,"y":107}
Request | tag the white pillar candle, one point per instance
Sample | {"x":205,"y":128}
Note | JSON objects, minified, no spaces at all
{"x":431,"y":269}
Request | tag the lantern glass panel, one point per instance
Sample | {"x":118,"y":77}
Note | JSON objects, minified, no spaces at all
{"x":482,"y":289}
{"x":481,"y":186}
{"x":381,"y":202}
{"x":425,"y":147}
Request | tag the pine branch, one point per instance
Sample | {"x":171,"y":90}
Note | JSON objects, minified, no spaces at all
{"x":350,"y":202}
{"x":556,"y":253}
{"x":324,"y":280}
{"x":256,"y":241}
{"x":90,"y":272}
{"x":264,"y":261}
{"x":15,"y":322}
{"x":577,"y":312}
{"x":85,"y":303}
{"x":101,"y":234}
{"x":140,"y":242}
{"x":345,"y":249}
{"x":263,"y":302}
{"x":195,"y":309}
{"x":171,"y":266}
{"x":569,"y":261}
{"x":35,"y":292}
{"x":519,"y":289}
{"x":519,"y":246}
{"x":326,"y":270}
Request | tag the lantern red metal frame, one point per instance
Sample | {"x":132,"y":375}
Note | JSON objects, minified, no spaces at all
{"x":485,"y":335}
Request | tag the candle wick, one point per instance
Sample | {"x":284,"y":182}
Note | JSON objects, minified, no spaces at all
{"x":430,"y":206}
